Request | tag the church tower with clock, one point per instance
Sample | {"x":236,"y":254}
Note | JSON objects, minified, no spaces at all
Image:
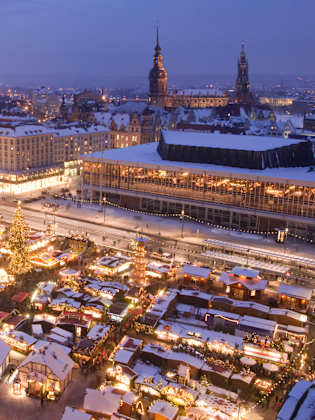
{"x":158,"y":78}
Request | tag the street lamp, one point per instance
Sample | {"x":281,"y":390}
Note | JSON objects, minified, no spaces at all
{"x":183,"y":218}
{"x":104,"y":207}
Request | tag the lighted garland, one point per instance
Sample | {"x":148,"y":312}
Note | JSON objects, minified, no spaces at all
{"x":179,"y":215}
{"x":282,"y":377}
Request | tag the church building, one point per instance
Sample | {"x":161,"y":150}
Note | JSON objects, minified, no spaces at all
{"x":188,"y":98}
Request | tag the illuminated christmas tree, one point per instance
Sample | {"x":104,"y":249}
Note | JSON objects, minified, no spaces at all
{"x":139,"y":262}
{"x":19,"y":257}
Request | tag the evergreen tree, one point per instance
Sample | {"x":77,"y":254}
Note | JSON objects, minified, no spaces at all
{"x":204,"y":381}
{"x":19,"y":257}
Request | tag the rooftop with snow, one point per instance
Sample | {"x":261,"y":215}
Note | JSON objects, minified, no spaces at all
{"x":225,"y":141}
{"x":146,"y":155}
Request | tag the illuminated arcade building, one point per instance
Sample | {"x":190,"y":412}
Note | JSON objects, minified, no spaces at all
{"x":243,"y":182}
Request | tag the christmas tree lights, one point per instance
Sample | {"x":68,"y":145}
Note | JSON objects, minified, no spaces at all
{"x":19,"y":257}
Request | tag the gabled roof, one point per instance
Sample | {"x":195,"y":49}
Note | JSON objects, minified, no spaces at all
{"x":257,"y":283}
{"x":52,"y":357}
{"x":295,"y":291}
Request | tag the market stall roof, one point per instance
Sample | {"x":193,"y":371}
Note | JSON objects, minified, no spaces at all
{"x":21,"y":337}
{"x":74,"y":414}
{"x":195,"y":271}
{"x":62,"y":332}
{"x":41,"y":343}
{"x":201,"y":334}
{"x":271,"y":367}
{"x":196,"y":293}
{"x":123,"y":356}
{"x":130,"y":343}
{"x":251,"y":283}
{"x":52,"y":357}
{"x":37,"y":329}
{"x":243,"y":377}
{"x":19,"y":297}
{"x":98,"y":332}
{"x":295,"y":291}
{"x":259,"y":324}
{"x":104,"y":402}
{"x":163,"y":409}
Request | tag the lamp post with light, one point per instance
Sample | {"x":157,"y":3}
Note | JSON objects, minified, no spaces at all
{"x":104,"y":208}
{"x":183,"y":219}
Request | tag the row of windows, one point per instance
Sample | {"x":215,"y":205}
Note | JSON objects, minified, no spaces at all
{"x":269,"y":196}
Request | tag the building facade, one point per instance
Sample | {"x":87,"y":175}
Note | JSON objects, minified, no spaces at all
{"x":276,"y":101}
{"x":125,"y":135}
{"x":309,"y":123}
{"x":131,"y":127}
{"x":254,"y":200}
{"x":45,"y":104}
{"x":35,"y":156}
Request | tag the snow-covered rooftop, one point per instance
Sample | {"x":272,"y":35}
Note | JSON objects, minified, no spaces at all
{"x":106,"y":118}
{"x":198,"y":92}
{"x":201,"y":334}
{"x":146,"y":155}
{"x":53,"y":357}
{"x":295,"y":291}
{"x":104,"y":402}
{"x":253,"y":321}
{"x":21,"y":336}
{"x":123,"y":356}
{"x":256,"y":283}
{"x":225,"y":141}
{"x":39,"y":130}
{"x":74,"y":414}
{"x":164,"y":409}
{"x":196,"y":294}
{"x":195,"y":271}
{"x":98,"y":332}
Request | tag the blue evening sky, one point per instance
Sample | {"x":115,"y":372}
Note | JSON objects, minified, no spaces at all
{"x":116,"y":37}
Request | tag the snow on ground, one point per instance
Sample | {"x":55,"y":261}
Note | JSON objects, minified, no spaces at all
{"x":171,"y":227}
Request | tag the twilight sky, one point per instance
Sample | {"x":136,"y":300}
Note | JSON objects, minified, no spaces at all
{"x":116,"y":37}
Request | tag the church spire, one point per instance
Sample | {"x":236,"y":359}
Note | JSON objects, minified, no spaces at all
{"x":242,"y":82}
{"x":157,"y":47}
{"x":158,"y":76}
{"x":243,"y":48}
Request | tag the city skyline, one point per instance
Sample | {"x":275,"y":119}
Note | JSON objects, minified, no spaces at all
{"x":75,"y":41}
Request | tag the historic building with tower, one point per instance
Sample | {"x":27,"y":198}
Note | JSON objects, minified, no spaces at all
{"x":243,"y":94}
{"x":188,"y":98}
{"x":158,"y":78}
